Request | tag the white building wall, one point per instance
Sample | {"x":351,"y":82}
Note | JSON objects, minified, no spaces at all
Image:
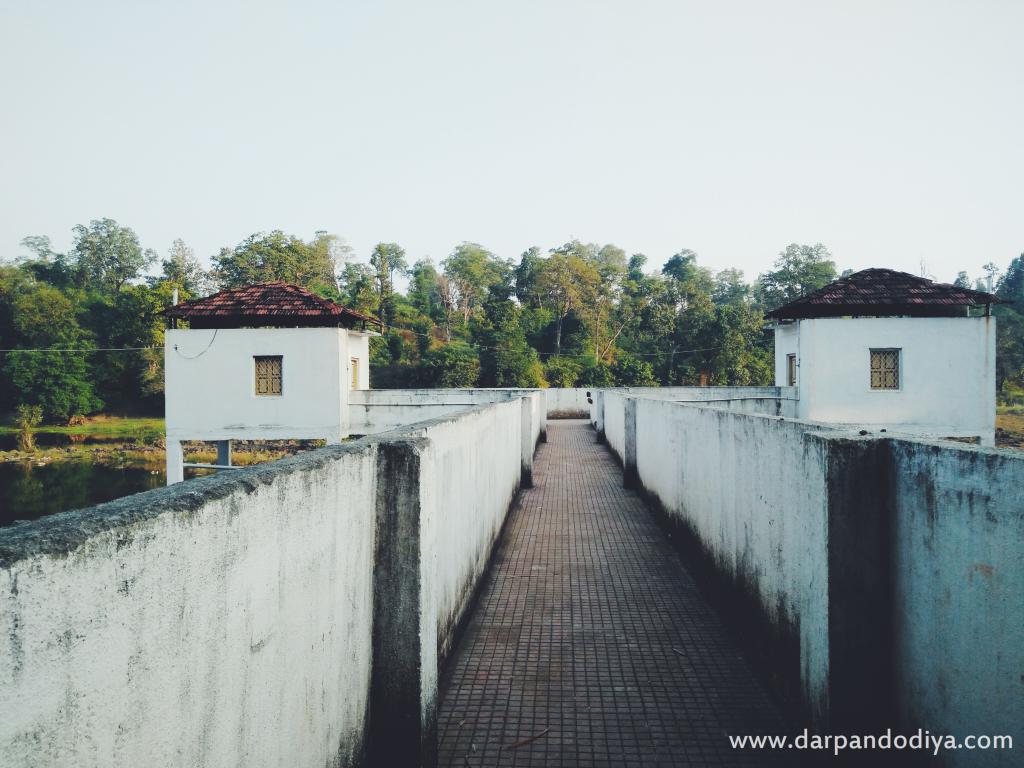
{"x":947,"y":377}
{"x":210,"y":384}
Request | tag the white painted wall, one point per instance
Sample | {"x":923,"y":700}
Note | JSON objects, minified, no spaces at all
{"x":947,"y":378}
{"x":770,"y":401}
{"x":469,"y":481}
{"x":378,"y":410}
{"x":210,"y":391}
{"x":764,"y":521}
{"x":229,"y":621}
{"x":567,"y":402}
{"x":959,"y":582}
{"x":223,"y":623}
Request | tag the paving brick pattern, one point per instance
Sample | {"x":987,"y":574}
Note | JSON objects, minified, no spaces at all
{"x":591,"y":639}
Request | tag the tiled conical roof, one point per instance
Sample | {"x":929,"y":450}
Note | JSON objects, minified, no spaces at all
{"x":267,"y":304}
{"x":884,"y":292}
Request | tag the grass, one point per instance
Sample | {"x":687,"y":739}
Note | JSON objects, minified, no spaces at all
{"x":100,"y":426}
{"x":129,"y":442}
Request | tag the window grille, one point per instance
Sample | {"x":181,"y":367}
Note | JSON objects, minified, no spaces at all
{"x":885,"y":369}
{"x":268,"y":376}
{"x":355,"y":372}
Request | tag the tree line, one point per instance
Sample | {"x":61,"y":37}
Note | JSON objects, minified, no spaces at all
{"x":86,"y":330}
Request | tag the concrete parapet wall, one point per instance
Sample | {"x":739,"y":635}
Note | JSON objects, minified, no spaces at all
{"x":222,"y":620}
{"x":373,"y":411}
{"x":958,"y":584}
{"x":753,"y":492}
{"x":771,"y":401}
{"x":567,"y":402}
{"x":881,"y":575}
{"x":291,"y":613}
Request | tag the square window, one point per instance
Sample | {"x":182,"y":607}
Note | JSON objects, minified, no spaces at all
{"x":885,"y":369}
{"x":268,"y":376}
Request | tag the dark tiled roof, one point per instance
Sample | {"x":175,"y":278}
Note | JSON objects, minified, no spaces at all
{"x":884,"y":292}
{"x":266,"y":304}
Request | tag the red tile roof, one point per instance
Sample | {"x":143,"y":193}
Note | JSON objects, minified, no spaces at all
{"x":884,"y":292}
{"x":267,"y":304}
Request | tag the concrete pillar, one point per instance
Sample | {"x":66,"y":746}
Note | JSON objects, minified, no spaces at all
{"x":403,"y":677}
{"x":860,"y":540}
{"x":224,"y":453}
{"x":598,"y":411}
{"x":175,"y":462}
{"x":630,"y":478}
{"x":529,"y":409}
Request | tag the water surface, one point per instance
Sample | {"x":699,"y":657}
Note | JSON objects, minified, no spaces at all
{"x":28,"y":491}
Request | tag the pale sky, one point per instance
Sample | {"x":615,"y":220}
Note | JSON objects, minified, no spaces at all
{"x":891,"y":131}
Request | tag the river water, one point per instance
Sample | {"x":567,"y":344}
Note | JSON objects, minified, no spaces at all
{"x":28,"y":491}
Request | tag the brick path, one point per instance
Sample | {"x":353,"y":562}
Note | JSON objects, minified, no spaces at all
{"x":591,"y":632}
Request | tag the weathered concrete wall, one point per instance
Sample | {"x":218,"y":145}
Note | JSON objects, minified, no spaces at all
{"x":875,"y":569}
{"x":222,"y":621}
{"x":762,"y":521}
{"x":958,"y":580}
{"x":379,"y":410}
{"x":264,"y":617}
{"x":567,"y":402}
{"x":772,"y":401}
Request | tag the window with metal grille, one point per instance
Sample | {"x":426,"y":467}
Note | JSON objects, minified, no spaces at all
{"x":790,"y":370}
{"x":268,"y":376}
{"x":885,"y":369}
{"x":355,"y":372}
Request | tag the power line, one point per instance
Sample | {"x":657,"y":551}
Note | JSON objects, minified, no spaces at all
{"x":82,"y":349}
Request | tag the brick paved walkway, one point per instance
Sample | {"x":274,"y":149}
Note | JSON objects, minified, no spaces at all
{"x":592,"y":637}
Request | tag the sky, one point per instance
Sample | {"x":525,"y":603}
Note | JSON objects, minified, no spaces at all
{"x":892,"y":132}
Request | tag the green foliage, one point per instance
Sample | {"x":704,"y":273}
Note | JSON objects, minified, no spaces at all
{"x":106,"y":256}
{"x":595,"y":373}
{"x":27,"y":419}
{"x":267,"y":256}
{"x":42,"y":317}
{"x":450,"y":365}
{"x":562,"y":371}
{"x":799,"y":270}
{"x":629,"y":371}
{"x":506,"y":360}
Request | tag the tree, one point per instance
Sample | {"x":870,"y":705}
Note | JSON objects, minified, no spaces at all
{"x":799,"y":270}
{"x":730,"y":288}
{"x":182,"y":270}
{"x":106,"y":255}
{"x":386,"y":259}
{"x":357,"y":288}
{"x":506,"y":360}
{"x":425,"y":290}
{"x":629,"y":371}
{"x":58,"y":381}
{"x":267,"y":256}
{"x":471,"y":271}
{"x":566,"y":282}
{"x":451,"y":365}
{"x":962,"y":280}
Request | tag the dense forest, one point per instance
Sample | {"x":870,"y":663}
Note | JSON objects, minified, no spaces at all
{"x":81,"y":331}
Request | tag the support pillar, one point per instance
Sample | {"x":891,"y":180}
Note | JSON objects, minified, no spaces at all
{"x":630,"y":478}
{"x":529,"y":408}
{"x":175,"y":461}
{"x":598,"y":410}
{"x":403,"y":677}
{"x":224,"y":453}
